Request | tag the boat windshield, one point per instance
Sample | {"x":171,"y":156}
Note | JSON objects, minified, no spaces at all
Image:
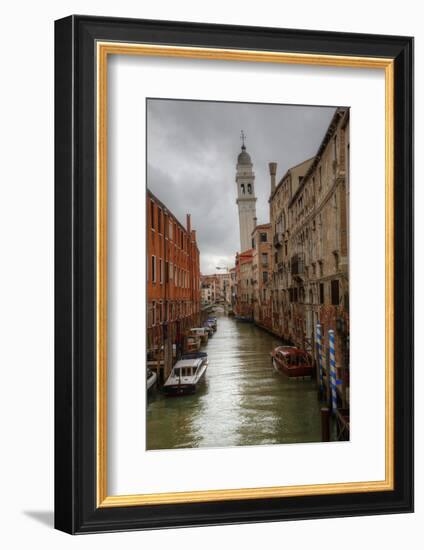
{"x":297,"y":359}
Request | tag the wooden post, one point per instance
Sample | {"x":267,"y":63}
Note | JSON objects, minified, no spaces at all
{"x":325,"y":424}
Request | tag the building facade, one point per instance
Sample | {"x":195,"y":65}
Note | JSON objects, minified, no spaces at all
{"x":210,"y":290}
{"x":262,"y":275}
{"x":216,"y":289}
{"x":310,"y":228}
{"x":173,"y":281}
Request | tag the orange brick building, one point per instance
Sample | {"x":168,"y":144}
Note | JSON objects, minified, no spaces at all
{"x":173,"y":278}
{"x":262,"y":275}
{"x":244,"y":285}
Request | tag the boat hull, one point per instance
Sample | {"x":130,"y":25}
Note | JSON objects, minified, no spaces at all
{"x":179,"y":390}
{"x":299,"y":371}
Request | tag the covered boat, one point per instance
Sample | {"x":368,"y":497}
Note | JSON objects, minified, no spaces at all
{"x":292,"y":361}
{"x":213,"y":323}
{"x":202,"y":332}
{"x":186,"y":374}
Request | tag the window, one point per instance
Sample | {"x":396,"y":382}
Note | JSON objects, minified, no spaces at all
{"x":265,"y":276}
{"x":264,"y":237}
{"x":166,"y":272}
{"x":159,"y":220}
{"x":243,"y":189}
{"x":152,"y":214}
{"x":264,"y":258}
{"x":171,"y":271}
{"x":321,"y":293}
{"x":153,"y":313}
{"x":170,"y":230}
{"x":153,"y":270}
{"x":249,"y":188}
{"x":335,"y":296}
{"x":336,"y":261}
{"x":160,"y":270}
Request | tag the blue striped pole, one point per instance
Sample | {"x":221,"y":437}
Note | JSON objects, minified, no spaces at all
{"x":333,"y":375}
{"x":319,"y":353}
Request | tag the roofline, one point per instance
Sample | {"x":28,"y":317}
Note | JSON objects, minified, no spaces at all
{"x":286,"y":174}
{"x":342,"y":113}
{"x":163,"y":205}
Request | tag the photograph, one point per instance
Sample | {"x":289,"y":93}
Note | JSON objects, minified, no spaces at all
{"x":247,"y":274}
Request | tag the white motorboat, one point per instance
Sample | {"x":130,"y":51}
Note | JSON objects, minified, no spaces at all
{"x":186,"y":374}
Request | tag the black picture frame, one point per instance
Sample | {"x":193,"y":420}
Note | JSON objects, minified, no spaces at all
{"x":76,"y":510}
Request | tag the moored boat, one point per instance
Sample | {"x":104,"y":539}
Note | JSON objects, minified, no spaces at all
{"x":193,"y":343}
{"x":213,"y":323}
{"x":186,"y":374}
{"x":209,"y":330}
{"x":202,"y":332}
{"x":292,"y":361}
{"x":243,"y":319}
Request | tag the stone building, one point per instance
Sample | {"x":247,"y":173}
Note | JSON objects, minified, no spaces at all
{"x":224,"y":282}
{"x":246,"y":199}
{"x":262,"y":274}
{"x":215,"y":289}
{"x":310,"y":229}
{"x":173,"y":280}
{"x":210,"y":289}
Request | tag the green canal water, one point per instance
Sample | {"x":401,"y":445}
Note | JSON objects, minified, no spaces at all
{"x":242,"y":400}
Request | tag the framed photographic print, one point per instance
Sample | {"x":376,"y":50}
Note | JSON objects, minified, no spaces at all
{"x":234,"y":274}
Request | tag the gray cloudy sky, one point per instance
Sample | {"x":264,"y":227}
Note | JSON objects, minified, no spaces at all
{"x":192,"y":149}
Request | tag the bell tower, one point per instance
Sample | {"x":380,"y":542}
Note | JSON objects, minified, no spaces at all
{"x":246,"y":200}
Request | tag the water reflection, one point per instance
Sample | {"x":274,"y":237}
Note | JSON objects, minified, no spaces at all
{"x":243,"y":401}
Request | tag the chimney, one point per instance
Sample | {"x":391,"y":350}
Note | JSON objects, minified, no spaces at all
{"x":188,"y":224}
{"x":273,"y":173}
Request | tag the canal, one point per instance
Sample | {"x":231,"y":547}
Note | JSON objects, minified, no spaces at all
{"x":242,"y":400}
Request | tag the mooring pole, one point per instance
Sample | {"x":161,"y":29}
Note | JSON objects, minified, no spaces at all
{"x":319,"y":362}
{"x":333,"y":374}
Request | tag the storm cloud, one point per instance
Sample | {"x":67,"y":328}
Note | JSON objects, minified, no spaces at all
{"x":192,"y":149}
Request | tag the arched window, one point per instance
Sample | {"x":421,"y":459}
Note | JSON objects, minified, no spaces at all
{"x":249,"y":188}
{"x":242,"y":188}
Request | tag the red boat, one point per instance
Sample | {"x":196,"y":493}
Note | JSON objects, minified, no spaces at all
{"x":292,"y":361}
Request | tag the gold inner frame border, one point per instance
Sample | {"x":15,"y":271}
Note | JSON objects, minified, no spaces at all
{"x":103,"y":50}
